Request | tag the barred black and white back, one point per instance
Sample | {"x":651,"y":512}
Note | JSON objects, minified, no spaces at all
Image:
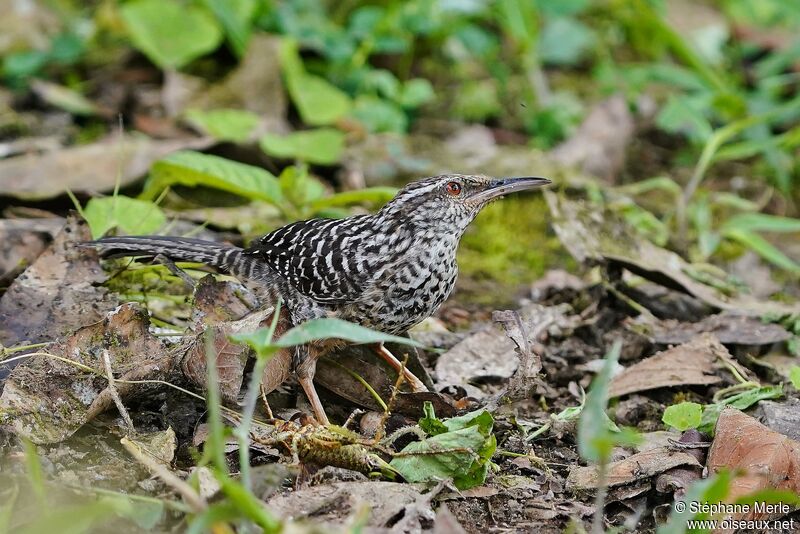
{"x":389,"y":270}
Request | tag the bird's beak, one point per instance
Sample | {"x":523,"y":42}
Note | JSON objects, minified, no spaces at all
{"x":504,"y":186}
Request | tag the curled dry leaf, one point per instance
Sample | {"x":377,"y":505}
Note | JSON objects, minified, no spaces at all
{"x":230,"y":357}
{"x":729,"y":329}
{"x":639,"y":466}
{"x":512,"y":352}
{"x":217,"y":301}
{"x":767,"y":459}
{"x":335,"y":373}
{"x":47,"y":399}
{"x":698,"y":362}
{"x":525,"y":333}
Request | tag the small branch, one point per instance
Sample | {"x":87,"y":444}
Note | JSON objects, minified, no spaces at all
{"x":112,"y":390}
{"x":193,"y":499}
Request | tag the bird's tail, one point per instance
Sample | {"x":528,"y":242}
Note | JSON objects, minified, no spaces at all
{"x":225,"y":257}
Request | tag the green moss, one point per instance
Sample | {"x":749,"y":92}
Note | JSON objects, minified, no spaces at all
{"x":510,"y":245}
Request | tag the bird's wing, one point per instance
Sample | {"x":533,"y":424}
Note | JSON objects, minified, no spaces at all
{"x":320,"y":258}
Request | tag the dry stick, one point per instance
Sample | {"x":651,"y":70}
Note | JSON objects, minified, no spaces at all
{"x":112,"y":389}
{"x":401,"y":377}
{"x":193,"y":499}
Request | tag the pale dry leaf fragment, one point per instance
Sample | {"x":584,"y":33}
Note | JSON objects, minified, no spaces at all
{"x":698,"y":362}
{"x":92,"y":168}
{"x":640,"y":466}
{"x":767,"y":459}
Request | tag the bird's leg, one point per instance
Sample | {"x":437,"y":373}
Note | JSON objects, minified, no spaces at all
{"x":306,"y":367}
{"x":416,"y":383}
{"x":177,"y":271}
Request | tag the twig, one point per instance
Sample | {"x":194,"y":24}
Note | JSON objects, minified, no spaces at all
{"x":193,"y":499}
{"x":387,"y":410}
{"x":112,"y":390}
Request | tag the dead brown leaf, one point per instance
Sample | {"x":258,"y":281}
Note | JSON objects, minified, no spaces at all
{"x":48,"y":399}
{"x":698,"y":362}
{"x":640,"y":466}
{"x":767,"y":459}
{"x":598,"y":146}
{"x":22,"y":241}
{"x":91,"y":168}
{"x":58,"y":293}
{"x":729,"y":329}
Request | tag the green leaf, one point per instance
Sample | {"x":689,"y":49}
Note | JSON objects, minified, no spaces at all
{"x":462,"y":453}
{"x":415,"y":93}
{"x":794,"y":376}
{"x":170,"y":34}
{"x":323,"y":146}
{"x":299,"y":187}
{"x":740,"y":401}
{"x":369,"y":195}
{"x":430,"y":424}
{"x":191,"y":169}
{"x":224,"y":124}
{"x":595,"y":439}
{"x":235,"y":18}
{"x":565,"y":41}
{"x":318,"y":102}
{"x":132,"y":216}
{"x":763,"y":248}
{"x":683,"y":416}
{"x":686,"y":115}
{"x":317,"y":329}
{"x":380,"y":115}
{"x":762,"y":222}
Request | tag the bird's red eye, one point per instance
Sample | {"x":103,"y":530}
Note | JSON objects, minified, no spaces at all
{"x":453,"y":188}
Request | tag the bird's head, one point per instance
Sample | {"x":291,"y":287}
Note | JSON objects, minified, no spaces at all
{"x":453,"y":200}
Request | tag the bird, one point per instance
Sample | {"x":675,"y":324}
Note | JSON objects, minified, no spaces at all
{"x":387,"y":271}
